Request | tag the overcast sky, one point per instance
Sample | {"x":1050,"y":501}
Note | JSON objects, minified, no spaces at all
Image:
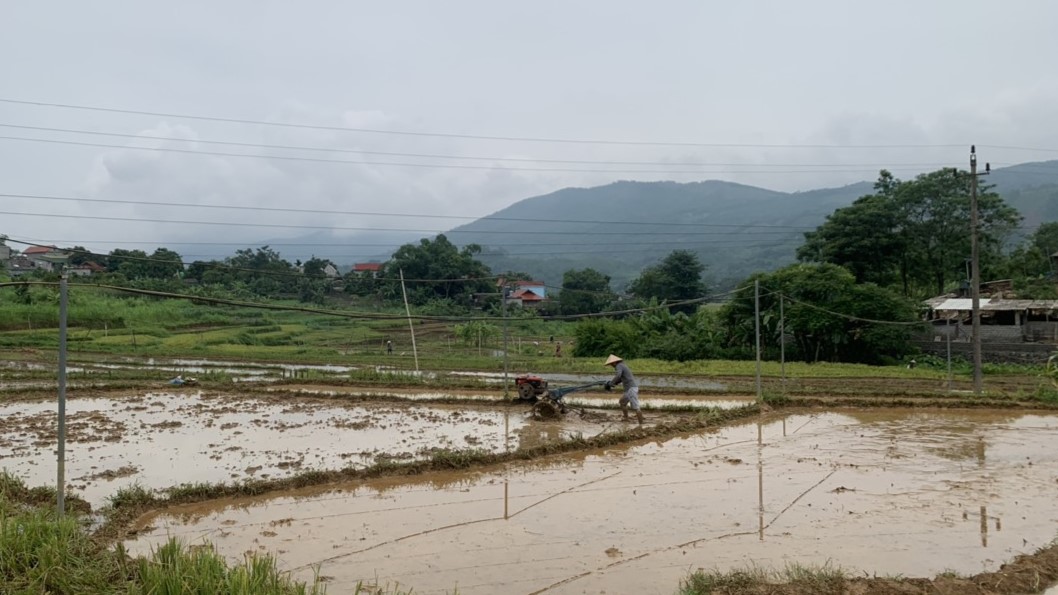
{"x":724,"y":73}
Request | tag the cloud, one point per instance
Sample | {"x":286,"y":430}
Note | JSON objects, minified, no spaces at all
{"x":258,"y":183}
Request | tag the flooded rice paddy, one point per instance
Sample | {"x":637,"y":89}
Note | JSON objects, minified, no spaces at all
{"x":886,"y":492}
{"x":161,"y":440}
{"x":583,"y":399}
{"x":11,"y":372}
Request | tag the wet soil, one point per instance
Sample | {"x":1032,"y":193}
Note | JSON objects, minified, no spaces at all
{"x":161,"y":440}
{"x":581,"y":399}
{"x":878,"y":492}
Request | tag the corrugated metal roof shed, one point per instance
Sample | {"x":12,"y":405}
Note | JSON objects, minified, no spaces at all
{"x":992,"y":305}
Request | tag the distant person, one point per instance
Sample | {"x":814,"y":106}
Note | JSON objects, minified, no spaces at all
{"x":911,"y":364}
{"x":389,"y":347}
{"x":624,"y":376}
{"x":558,"y":349}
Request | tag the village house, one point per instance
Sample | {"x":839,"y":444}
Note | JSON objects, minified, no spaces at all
{"x":20,"y":265}
{"x":524,"y":293}
{"x":39,"y":255}
{"x":86,"y":269}
{"x":1002,"y":320}
{"x":368,"y":268}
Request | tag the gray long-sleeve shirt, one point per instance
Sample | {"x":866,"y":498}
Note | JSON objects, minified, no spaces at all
{"x":623,"y":376}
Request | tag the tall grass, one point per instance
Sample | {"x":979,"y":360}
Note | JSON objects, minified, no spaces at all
{"x":822,"y":579}
{"x":175,"y":569}
{"x":40,"y":553}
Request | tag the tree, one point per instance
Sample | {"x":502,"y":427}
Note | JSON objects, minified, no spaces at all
{"x":165,"y":264}
{"x":862,"y":238}
{"x":130,"y":263}
{"x":263,"y":271}
{"x":3,"y":242}
{"x":585,"y":291}
{"x":314,"y":267}
{"x":476,"y":332}
{"x":79,"y":255}
{"x":197,"y":270}
{"x":826,"y":316}
{"x":441,"y":271}
{"x":598,"y":337}
{"x":916,"y":231}
{"x":678,"y":278}
{"x":1030,"y":266}
{"x":1045,"y":238}
{"x":136,"y":264}
{"x":313,"y":291}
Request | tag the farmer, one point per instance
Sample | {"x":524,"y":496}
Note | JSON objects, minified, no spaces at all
{"x":389,"y":347}
{"x":624,"y":377}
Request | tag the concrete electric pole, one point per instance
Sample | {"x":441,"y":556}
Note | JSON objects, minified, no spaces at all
{"x":975,"y":272}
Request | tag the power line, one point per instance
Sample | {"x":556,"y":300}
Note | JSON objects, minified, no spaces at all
{"x":488,"y":250}
{"x":222,"y":265}
{"x":349,"y":314}
{"x":429,"y":231}
{"x":849,"y":316}
{"x":301,"y":275}
{"x":566,"y":253}
{"x":382,"y":214}
{"x":469,"y":136}
{"x":1013,"y":148}
{"x":425,"y":165}
{"x":537,"y":233}
{"x":456,"y":157}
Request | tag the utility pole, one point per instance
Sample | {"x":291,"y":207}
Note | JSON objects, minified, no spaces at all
{"x":61,"y":456}
{"x":782,"y":342}
{"x":756,"y":326}
{"x":411,"y":326}
{"x":975,"y":272}
{"x":506,"y":346}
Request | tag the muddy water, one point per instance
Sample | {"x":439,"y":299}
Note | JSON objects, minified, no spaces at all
{"x":886,"y":492}
{"x":161,"y":440}
{"x":573,"y":379}
{"x":652,"y":402}
{"x":585,"y":399}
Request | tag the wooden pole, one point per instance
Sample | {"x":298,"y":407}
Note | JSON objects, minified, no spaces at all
{"x":411,"y":326}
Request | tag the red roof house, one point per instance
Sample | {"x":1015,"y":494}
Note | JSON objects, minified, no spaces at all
{"x":38,"y":250}
{"x":525,"y":297}
{"x":368,"y":267}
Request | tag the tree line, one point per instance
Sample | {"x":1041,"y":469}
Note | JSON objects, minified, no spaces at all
{"x":852,"y":296}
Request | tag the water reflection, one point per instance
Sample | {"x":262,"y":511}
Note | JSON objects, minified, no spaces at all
{"x":835,"y":493}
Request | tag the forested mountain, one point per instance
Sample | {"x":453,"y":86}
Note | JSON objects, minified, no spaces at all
{"x":734,"y":229}
{"x":622,"y":227}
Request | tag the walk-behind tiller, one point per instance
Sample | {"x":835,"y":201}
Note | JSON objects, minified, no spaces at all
{"x":549,"y":403}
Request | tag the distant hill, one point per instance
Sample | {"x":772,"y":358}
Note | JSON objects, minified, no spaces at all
{"x":1031,"y":188}
{"x":735,"y":229}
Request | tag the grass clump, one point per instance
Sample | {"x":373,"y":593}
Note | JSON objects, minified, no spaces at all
{"x":820,"y":579}
{"x":824,"y":579}
{"x":133,"y":496}
{"x":445,"y":458}
{"x":175,"y":568}
{"x":705,"y":582}
{"x":197,"y":491}
{"x":42,"y":553}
